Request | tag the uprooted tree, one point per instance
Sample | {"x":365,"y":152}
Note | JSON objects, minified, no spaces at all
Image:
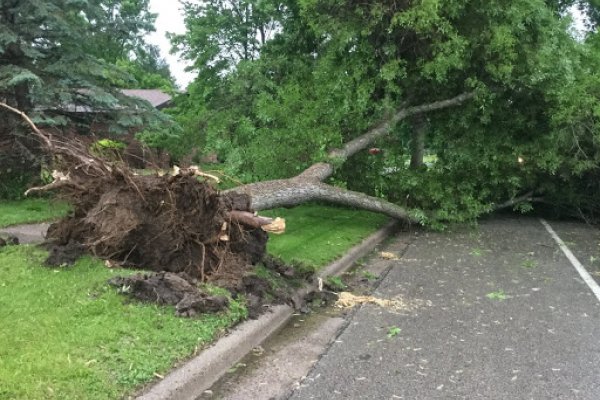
{"x":328,"y":71}
{"x":177,"y":223}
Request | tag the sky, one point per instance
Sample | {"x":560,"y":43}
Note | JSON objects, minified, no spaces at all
{"x":170,"y":19}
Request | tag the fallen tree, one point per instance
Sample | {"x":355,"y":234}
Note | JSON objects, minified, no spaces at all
{"x":178,"y":223}
{"x":308,"y":185}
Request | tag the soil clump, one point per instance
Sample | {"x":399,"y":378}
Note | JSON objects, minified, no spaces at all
{"x":166,"y":288}
{"x":9,"y":240}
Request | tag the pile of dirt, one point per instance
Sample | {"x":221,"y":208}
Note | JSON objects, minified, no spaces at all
{"x":166,"y":288}
{"x":159,"y":223}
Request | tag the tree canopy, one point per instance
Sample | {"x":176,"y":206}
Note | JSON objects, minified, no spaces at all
{"x":58,"y":52}
{"x":333,"y":68}
{"x":282,"y":83}
{"x":61,"y":57}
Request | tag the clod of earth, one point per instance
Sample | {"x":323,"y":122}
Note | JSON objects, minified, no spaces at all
{"x":166,"y":288}
{"x":67,"y":254}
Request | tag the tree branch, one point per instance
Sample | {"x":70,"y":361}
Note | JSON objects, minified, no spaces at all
{"x":292,"y":192}
{"x":308,"y":186}
{"x":28,"y":120}
{"x":361,"y":142}
{"x":514,"y":201}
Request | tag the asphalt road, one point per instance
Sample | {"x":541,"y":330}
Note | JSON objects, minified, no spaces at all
{"x":493,"y":312}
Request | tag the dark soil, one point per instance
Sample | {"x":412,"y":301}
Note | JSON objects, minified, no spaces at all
{"x":176,"y":226}
{"x":159,"y":223}
{"x":260,"y":292}
{"x":60,"y":255}
{"x":182,"y":291}
{"x":166,"y":288}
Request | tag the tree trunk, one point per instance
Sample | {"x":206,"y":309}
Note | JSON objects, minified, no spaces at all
{"x":309,"y":186}
{"x":417,"y":146}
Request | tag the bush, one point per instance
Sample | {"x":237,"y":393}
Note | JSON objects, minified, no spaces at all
{"x":13,"y":184}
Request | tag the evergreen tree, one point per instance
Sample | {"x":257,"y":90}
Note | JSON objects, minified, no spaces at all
{"x":50,"y":65}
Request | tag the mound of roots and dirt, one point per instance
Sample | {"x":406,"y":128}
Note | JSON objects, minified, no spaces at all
{"x":161,"y":223}
{"x":177,"y":225}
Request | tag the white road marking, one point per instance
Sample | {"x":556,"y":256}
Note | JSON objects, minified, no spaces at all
{"x":587,"y":278}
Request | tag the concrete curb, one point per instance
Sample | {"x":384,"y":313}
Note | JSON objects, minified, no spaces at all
{"x":191,"y":379}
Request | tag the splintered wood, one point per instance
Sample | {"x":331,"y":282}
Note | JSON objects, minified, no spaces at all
{"x":348,"y":300}
{"x":386,"y":255}
{"x":277,"y":226}
{"x":194,"y":170}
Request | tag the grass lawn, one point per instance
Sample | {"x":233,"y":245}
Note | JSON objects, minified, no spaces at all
{"x":316,"y":234}
{"x":31,"y":210}
{"x":65,"y":334}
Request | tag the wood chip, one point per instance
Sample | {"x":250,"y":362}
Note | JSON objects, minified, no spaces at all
{"x":277,"y":226}
{"x":386,"y":255}
{"x":348,"y":300}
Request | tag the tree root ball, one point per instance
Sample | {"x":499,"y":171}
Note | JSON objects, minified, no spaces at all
{"x":161,"y":223}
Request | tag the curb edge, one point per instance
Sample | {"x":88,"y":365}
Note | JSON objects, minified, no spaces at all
{"x":201,"y":372}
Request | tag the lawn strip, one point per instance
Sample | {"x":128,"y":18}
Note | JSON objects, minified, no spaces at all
{"x":32,"y":210}
{"x":66,"y":335}
{"x":317,"y":234}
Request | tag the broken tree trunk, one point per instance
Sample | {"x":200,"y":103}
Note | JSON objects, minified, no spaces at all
{"x":309,"y":186}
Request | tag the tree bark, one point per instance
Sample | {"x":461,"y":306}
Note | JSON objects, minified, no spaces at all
{"x":417,"y":145}
{"x":309,"y":186}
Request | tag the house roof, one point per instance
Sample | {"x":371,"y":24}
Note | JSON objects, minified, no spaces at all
{"x":156,"y":97}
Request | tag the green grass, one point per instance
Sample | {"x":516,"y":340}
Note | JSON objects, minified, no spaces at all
{"x":31,"y":210}
{"x":316,"y":234}
{"x":498,"y":295}
{"x":64,"y":334}
{"x":336,"y":283}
